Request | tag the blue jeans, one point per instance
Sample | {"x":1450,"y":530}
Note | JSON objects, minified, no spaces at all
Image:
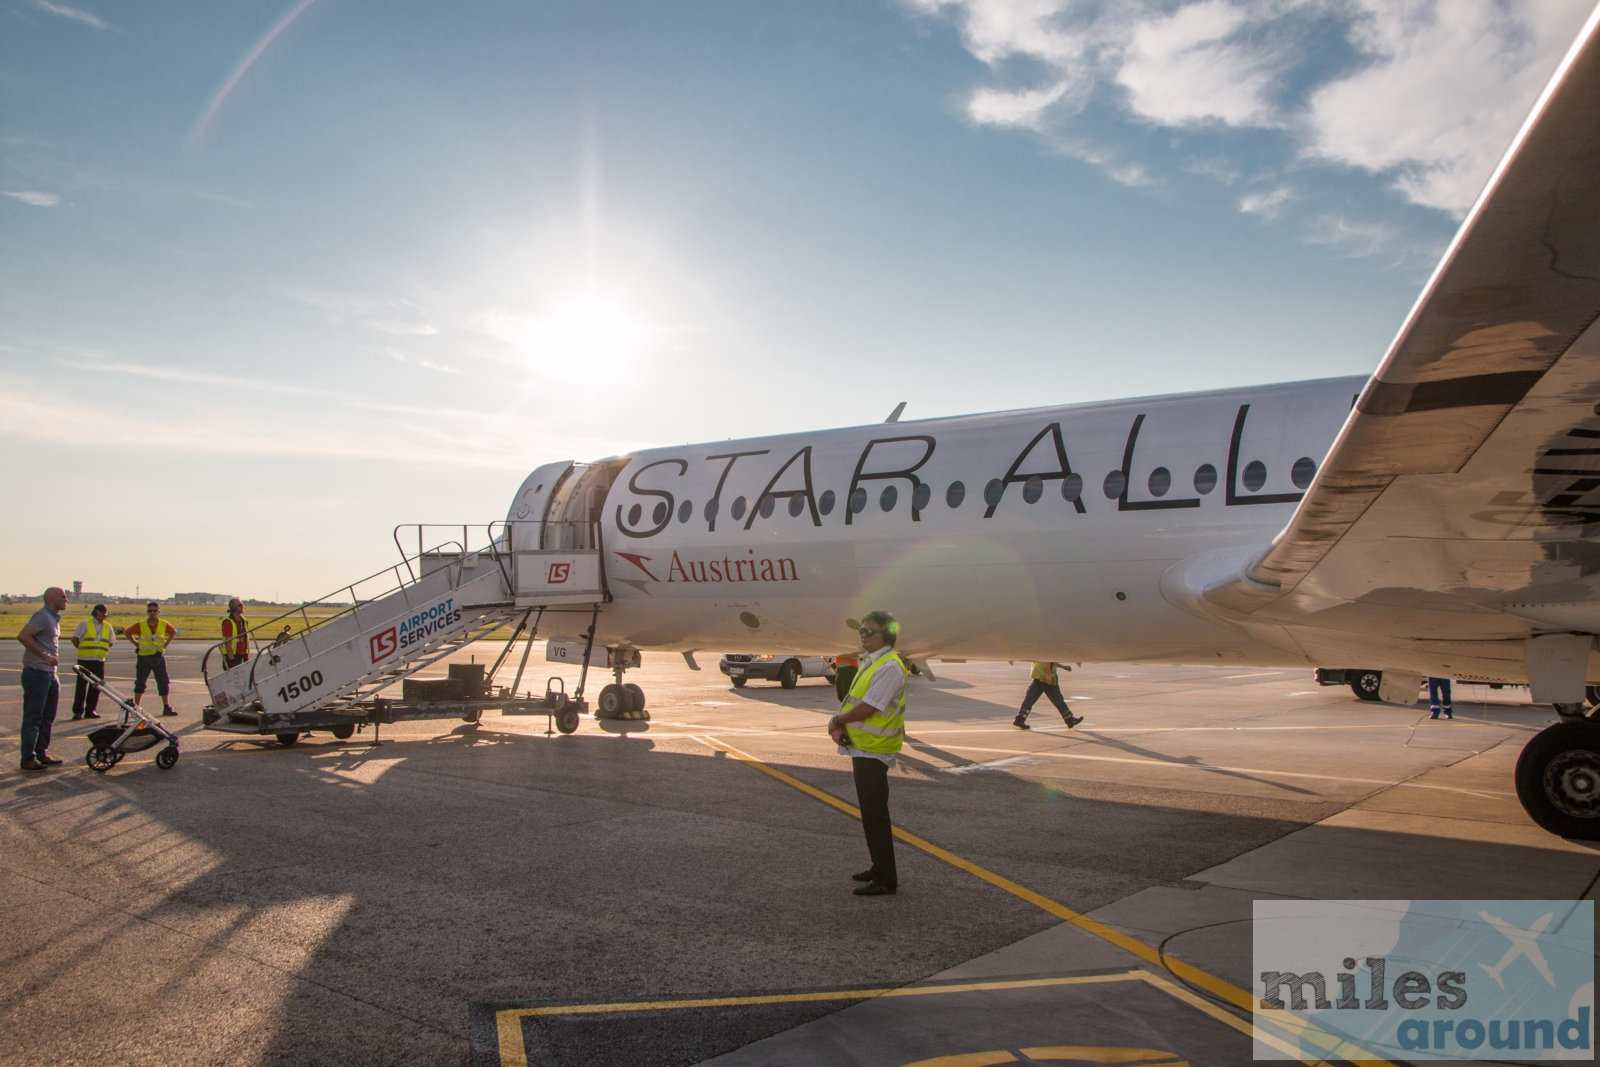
{"x":40,"y":692}
{"x":1439,"y":694}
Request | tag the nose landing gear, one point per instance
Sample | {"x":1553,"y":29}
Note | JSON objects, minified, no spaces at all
{"x":622,"y":700}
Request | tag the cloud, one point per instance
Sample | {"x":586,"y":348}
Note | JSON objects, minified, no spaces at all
{"x":36,"y":199}
{"x":76,"y":14}
{"x":1423,"y":94}
{"x":1266,"y":204}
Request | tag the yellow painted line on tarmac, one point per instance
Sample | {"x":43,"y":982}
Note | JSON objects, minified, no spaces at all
{"x":1217,"y":987}
{"x":513,"y":1051}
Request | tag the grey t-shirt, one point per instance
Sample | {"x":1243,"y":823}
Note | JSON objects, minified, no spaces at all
{"x":46,"y":628}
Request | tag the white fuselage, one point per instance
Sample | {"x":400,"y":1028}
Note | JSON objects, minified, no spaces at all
{"x":1005,"y":535}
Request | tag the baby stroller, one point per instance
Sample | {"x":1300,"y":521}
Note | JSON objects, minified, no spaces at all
{"x":134,"y":732}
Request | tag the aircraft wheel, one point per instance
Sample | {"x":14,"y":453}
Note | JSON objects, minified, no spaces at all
{"x":288,"y":737}
{"x":343,"y":733}
{"x":635,"y":695}
{"x":738,"y":683}
{"x":1367,"y":684}
{"x":612,"y":703}
{"x":843,"y":679}
{"x":567,"y":719}
{"x":1558,"y":779}
{"x":789,"y":675}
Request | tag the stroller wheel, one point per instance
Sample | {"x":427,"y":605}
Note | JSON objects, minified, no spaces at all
{"x":117,"y":756}
{"x":101,"y":759}
{"x":167,"y":757}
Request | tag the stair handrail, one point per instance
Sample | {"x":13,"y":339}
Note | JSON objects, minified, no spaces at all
{"x":356,"y":603}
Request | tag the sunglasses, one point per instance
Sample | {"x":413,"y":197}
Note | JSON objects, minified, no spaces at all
{"x":865,"y":630}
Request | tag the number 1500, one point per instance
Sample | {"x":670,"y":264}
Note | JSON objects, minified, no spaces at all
{"x":306,"y":683}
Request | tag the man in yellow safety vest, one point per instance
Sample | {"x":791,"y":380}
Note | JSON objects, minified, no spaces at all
{"x":152,"y":635}
{"x":235,"y":638}
{"x":93,"y":640}
{"x":1045,"y":684}
{"x":869,"y":728}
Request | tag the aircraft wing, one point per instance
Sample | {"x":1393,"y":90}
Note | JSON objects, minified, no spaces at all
{"x":1461,"y":500}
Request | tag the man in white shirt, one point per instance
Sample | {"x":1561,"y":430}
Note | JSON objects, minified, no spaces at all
{"x":869,"y":729}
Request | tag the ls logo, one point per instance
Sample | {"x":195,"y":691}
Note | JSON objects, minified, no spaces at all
{"x":384,"y":644}
{"x":558,"y":573}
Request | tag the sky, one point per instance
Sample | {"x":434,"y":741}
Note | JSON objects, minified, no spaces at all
{"x":276,"y":277}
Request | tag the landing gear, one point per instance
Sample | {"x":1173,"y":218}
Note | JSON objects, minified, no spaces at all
{"x":1365,"y":684}
{"x":622,"y":700}
{"x":1558,"y":779}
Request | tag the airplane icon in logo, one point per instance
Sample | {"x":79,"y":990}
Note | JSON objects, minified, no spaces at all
{"x":1523,"y":943}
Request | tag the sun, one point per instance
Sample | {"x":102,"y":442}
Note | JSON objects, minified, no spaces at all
{"x":588,"y":328}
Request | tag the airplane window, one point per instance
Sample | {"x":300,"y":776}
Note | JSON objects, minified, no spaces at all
{"x":858,"y":501}
{"x":1305,"y":469}
{"x":633,"y":515}
{"x":711,"y":510}
{"x":1160,"y":481}
{"x":738,"y":508}
{"x":1255,"y":475}
{"x":994,"y":491}
{"x":1205,"y":478}
{"x":1033,"y":489}
{"x":921,"y":495}
{"x":659,"y":515}
{"x":1116,"y":483}
{"x":1071,"y":487}
{"x":825,"y":502}
{"x":886,"y":499}
{"x":685,"y":511}
{"x":954,"y":495}
{"x":797,"y":504}
{"x":767,"y":506}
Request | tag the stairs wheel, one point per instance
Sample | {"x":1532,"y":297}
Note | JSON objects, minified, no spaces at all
{"x":473,"y":716}
{"x":343,"y":733}
{"x":288,"y":737}
{"x":635,"y":696}
{"x":567,"y":719}
{"x":612,"y":703}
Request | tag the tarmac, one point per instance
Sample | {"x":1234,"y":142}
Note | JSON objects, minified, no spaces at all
{"x":678,"y":891}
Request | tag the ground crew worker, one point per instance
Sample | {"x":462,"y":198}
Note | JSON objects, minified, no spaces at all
{"x":93,"y":640}
{"x":235,"y":637}
{"x":869,"y":729}
{"x":152,"y":636}
{"x":40,"y":690}
{"x":1045,"y":683}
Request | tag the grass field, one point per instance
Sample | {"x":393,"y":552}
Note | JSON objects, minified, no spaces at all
{"x":197,"y":623}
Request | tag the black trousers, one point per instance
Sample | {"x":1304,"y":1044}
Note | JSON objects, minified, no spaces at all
{"x":872,"y":795}
{"x":230,"y":662}
{"x":146,"y":666}
{"x":1039,"y":689}
{"x":86,"y":697}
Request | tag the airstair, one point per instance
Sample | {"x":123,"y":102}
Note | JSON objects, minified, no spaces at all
{"x":312,"y":669}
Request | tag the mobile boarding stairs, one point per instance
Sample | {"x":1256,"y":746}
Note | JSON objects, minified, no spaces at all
{"x":314,"y":671}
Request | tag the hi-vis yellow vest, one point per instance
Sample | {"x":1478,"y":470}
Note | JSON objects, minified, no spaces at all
{"x":96,"y":640}
{"x":1044,"y":672}
{"x":151,"y":643}
{"x":235,"y":639}
{"x":883,"y":730}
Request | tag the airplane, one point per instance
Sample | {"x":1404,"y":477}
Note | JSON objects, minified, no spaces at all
{"x":1523,"y":943}
{"x":1438,"y":518}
